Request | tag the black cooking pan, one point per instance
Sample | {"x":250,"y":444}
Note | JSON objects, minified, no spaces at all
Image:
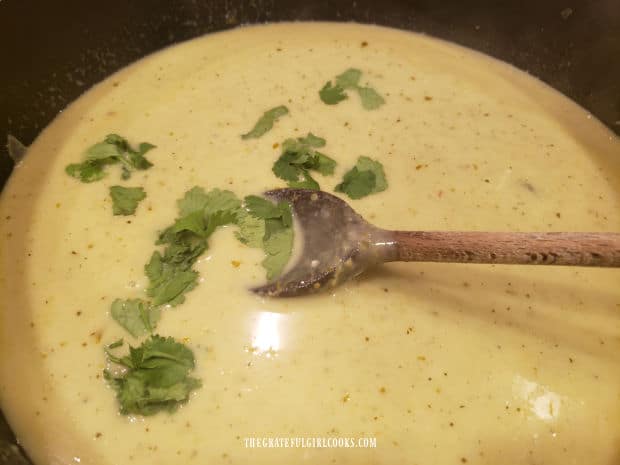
{"x":52,"y":51}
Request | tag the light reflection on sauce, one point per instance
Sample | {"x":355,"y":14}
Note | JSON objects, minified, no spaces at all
{"x":266,"y":334}
{"x":544,"y":403}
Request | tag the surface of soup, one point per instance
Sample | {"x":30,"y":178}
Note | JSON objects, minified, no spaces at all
{"x":440,"y":363}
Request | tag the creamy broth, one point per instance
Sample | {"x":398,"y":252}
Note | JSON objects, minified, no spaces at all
{"x":441,"y":363}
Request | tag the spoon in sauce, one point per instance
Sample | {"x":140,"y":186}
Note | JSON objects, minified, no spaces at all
{"x":339,"y":244}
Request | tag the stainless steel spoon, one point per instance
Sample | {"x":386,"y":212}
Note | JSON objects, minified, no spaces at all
{"x":339,"y":244}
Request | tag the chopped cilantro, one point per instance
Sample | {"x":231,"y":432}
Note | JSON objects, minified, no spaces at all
{"x":278,"y":247}
{"x":266,"y":122}
{"x":114,"y":149}
{"x":169,"y":281}
{"x":261,"y":223}
{"x":332,"y":94}
{"x":277,"y":240}
{"x":366,"y":177}
{"x":308,"y":182}
{"x":349,"y":79}
{"x":211,"y":202}
{"x":89,"y":170}
{"x":260,"y":207}
{"x":116,"y":344}
{"x":194,"y":199}
{"x":251,"y":229}
{"x":125,"y":199}
{"x":368,"y":164}
{"x":299,"y":156}
{"x":135,"y":315}
{"x":195,"y":222}
{"x":154,"y":376}
{"x":289,"y":166}
{"x":371,"y":99}
{"x":170,"y":274}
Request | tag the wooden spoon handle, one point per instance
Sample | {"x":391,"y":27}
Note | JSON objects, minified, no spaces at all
{"x":553,"y":248}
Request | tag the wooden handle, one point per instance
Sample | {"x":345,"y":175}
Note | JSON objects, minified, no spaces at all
{"x":554,"y":248}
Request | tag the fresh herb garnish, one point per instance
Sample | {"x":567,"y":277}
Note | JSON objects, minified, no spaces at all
{"x":371,"y":99}
{"x":154,"y":377}
{"x":114,"y":149}
{"x":366,"y":177}
{"x":299,"y":156}
{"x":277,"y":240}
{"x":266,"y":122}
{"x":169,"y":273}
{"x":260,"y":207}
{"x":125,"y":200}
{"x":278,"y":248}
{"x":135,"y":315}
{"x":262,"y":224}
{"x":332,"y":94}
{"x":251,"y":229}
{"x":115,"y":344}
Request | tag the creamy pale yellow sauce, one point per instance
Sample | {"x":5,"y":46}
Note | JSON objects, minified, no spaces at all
{"x":443,"y":364}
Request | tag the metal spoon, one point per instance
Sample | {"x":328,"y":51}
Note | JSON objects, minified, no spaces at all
{"x":339,"y":244}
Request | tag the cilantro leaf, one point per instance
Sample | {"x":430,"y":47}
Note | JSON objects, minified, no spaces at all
{"x":114,"y":149}
{"x":169,"y":281}
{"x":135,"y":315}
{"x":332,"y":95}
{"x":170,"y":274}
{"x":308,"y":182}
{"x":166,"y":348}
{"x":287,"y":166}
{"x":277,"y":240}
{"x":299,"y":157}
{"x":368,"y":164}
{"x":194,"y":222}
{"x":132,"y":159}
{"x":103,"y":150}
{"x":194,"y":199}
{"x":267,"y":210}
{"x":116,"y":344}
{"x":312,"y":141}
{"x":156,"y":376}
{"x":265,"y":123}
{"x":125,"y":199}
{"x":87,"y":171}
{"x":366,"y":177}
{"x":357,"y":184}
{"x":260,"y":207}
{"x":278,"y":248}
{"x":371,"y":100}
{"x":135,"y":158}
{"x":215,"y":200}
{"x":251,"y":229}
{"x":324,"y":164}
{"x":183,"y":248}
{"x":350,"y":80}
{"x":219,"y":200}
